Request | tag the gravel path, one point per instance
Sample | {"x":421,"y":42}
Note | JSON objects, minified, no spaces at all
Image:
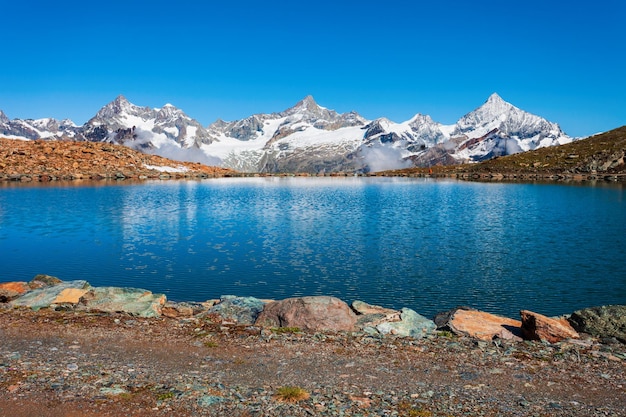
{"x":77,"y":364}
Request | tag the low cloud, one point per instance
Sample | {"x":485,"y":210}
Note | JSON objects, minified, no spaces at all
{"x":384,"y":158}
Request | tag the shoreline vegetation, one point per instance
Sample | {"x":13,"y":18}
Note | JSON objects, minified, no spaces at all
{"x":69,"y":349}
{"x":597,"y":158}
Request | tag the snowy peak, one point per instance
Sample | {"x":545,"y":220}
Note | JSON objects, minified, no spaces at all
{"x":3,"y":117}
{"x":497,"y":114}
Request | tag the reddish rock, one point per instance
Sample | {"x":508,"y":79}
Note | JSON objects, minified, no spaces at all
{"x":536,"y":326}
{"x":309,"y":313}
{"x":11,"y":290}
{"x":484,"y":326}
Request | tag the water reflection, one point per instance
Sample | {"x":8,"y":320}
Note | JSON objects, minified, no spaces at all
{"x":426,"y":244}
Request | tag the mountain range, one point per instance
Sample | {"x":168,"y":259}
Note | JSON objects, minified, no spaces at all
{"x":306,"y":137}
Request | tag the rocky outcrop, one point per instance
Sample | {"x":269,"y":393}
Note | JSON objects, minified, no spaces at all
{"x":604,"y":321}
{"x":319,"y":313}
{"x":482,"y":325}
{"x":536,"y":326}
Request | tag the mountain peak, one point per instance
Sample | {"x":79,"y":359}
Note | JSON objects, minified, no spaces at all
{"x":307,"y":103}
{"x":3,"y":117}
{"x":495,"y":98}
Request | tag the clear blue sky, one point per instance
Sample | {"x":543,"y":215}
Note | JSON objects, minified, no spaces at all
{"x":562,"y":60}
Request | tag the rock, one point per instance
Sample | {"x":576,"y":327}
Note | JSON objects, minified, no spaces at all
{"x":361,"y":307}
{"x":12,"y":290}
{"x":133,"y":301}
{"x":243,"y":310}
{"x":539,"y":327}
{"x":410,"y":324}
{"x":318,"y":313}
{"x":70,"y":296}
{"x":380,"y":320}
{"x":484,"y":326}
{"x":44,"y":297}
{"x":604,"y":321}
{"x":42,"y":281}
{"x":184,"y":309}
{"x":442,"y":319}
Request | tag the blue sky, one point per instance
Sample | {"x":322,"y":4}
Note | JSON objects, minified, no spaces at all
{"x":565,"y":61}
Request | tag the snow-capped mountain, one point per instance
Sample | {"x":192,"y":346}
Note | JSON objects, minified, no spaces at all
{"x":306,"y":137}
{"x":303,"y":138}
{"x":144,"y":128}
{"x":37,"y":128}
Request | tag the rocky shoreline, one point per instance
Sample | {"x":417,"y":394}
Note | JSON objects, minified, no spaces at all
{"x":69,"y":349}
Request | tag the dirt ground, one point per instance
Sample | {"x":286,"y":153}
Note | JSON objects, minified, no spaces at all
{"x":77,"y":364}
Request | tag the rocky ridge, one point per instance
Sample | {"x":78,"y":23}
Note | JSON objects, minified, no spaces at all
{"x":64,"y":160}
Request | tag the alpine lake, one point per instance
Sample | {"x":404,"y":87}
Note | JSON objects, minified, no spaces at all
{"x":421,"y":243}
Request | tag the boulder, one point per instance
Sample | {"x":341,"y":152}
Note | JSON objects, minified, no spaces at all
{"x":441,"y":319}
{"x":380,"y":320}
{"x":484,"y":326}
{"x":42,"y":281}
{"x":243,"y":310}
{"x":183,"y":309}
{"x":133,"y":301}
{"x":410,"y":324}
{"x":362,"y":308}
{"x":604,"y":321}
{"x":11,"y":290}
{"x":317,"y":313}
{"x":46,"y":296}
{"x":536,"y":326}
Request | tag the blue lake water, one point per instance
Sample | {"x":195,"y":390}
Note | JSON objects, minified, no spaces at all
{"x":425,"y":244}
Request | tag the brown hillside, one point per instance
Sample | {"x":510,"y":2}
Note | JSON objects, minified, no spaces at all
{"x":41,"y":160}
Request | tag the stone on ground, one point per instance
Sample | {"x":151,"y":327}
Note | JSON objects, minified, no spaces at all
{"x":484,"y":326}
{"x":536,"y":326}
{"x":42,"y":281}
{"x":410,"y":324}
{"x":243,"y":310}
{"x":380,"y":320}
{"x":603,"y":321}
{"x":317,"y":313}
{"x":133,"y":301}
{"x":11,"y":290}
{"x":46,"y":296}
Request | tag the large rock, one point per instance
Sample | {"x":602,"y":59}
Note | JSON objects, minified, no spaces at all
{"x":484,"y":326}
{"x":363,"y":308}
{"x":536,"y":326}
{"x":184,"y":309}
{"x":42,"y":281}
{"x":317,"y":313}
{"x":243,"y":310}
{"x":410,"y":324}
{"x":45,"y":297}
{"x":12,"y":290}
{"x":604,"y":321}
{"x":133,"y":301}
{"x":380,"y":320}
